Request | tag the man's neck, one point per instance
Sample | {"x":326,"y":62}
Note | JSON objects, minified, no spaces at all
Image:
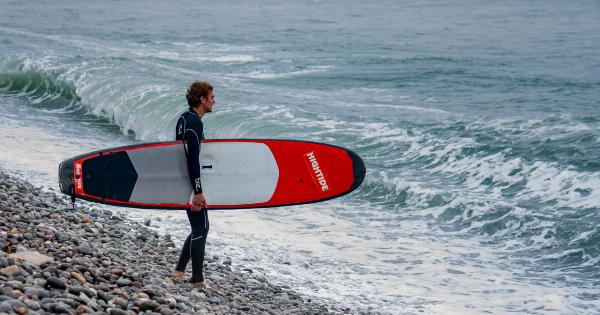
{"x":198,"y":110}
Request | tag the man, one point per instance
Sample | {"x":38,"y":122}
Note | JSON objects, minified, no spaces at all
{"x":200,"y":99}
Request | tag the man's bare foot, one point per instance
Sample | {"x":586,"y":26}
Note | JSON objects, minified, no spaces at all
{"x":178,"y":274}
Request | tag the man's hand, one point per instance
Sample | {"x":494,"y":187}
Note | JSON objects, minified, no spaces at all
{"x":198,"y":202}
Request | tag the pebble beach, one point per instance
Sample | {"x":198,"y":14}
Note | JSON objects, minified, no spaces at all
{"x":56,"y":259}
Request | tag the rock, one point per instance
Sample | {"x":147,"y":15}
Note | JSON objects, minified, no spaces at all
{"x":215,"y":278}
{"x":253,"y":283}
{"x":84,"y":248}
{"x":148,"y":305}
{"x":122,"y":303}
{"x":5,"y":307}
{"x":199,"y":294}
{"x":55,"y":282}
{"x":147,"y":221}
{"x":166,"y":311}
{"x":86,"y":220}
{"x":10,"y":270}
{"x":123,"y":282}
{"x":82,"y":309}
{"x":36,"y":293}
{"x":77,"y":290}
{"x":34,"y":305}
{"x":17,"y":285}
{"x":261,"y":279}
{"x":78,"y":277}
{"x":15,"y":303}
{"x":116,"y":311}
{"x":51,"y":270}
{"x":104,"y":296}
{"x":151,"y":292}
{"x":214,"y":300}
{"x":32,"y":257}
{"x":242,"y":307}
{"x":62,"y":308}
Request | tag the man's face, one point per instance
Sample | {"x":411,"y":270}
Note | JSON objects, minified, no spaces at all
{"x":209,"y":102}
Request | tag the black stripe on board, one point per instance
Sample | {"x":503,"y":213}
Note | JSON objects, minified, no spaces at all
{"x":109,"y":176}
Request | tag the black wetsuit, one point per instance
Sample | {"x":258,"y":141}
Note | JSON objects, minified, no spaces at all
{"x":190,"y":128}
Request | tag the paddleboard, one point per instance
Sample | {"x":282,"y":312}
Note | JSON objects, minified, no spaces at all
{"x":235,"y":174}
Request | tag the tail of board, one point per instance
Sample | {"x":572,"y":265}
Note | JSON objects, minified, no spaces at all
{"x":236,"y":174}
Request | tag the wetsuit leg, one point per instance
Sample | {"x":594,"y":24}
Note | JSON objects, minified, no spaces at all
{"x":184,"y":258}
{"x":195,"y":244}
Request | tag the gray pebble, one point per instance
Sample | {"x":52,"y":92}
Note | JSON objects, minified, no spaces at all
{"x":34,"y":305}
{"x":48,"y":301}
{"x":116,"y":311}
{"x":17,"y":285}
{"x":166,"y":311}
{"x":62,"y":308}
{"x":51,"y":270}
{"x":148,"y":305}
{"x":36,"y":293}
{"x":104,"y":296}
{"x":84,"y":248}
{"x":123,"y":282}
{"x":77,"y":289}
{"x":122,"y":303}
{"x":5,"y":307}
{"x":15,"y":303}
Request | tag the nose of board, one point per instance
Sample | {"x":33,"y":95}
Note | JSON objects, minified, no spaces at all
{"x":358,"y":168}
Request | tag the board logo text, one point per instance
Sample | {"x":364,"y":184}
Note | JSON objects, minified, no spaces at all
{"x":78,"y":180}
{"x":317,"y":174}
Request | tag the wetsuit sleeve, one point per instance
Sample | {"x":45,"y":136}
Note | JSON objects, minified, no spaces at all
{"x":179,"y":128}
{"x":192,"y":138}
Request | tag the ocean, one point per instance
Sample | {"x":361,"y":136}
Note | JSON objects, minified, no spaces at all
{"x":478,"y":121}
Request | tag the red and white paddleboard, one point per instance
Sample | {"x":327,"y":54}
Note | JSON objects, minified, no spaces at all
{"x":235,"y":174}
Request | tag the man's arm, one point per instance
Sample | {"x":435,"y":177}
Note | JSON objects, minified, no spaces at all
{"x":193,"y":159}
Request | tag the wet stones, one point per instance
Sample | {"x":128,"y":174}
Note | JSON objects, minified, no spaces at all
{"x":94,"y":261}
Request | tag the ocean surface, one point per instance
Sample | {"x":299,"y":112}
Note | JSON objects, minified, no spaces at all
{"x":479,"y":123}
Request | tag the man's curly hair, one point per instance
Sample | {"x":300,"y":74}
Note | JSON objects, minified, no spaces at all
{"x":197,"y":90}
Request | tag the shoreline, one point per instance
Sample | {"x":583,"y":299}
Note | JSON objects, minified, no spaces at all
{"x":55,"y":259}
